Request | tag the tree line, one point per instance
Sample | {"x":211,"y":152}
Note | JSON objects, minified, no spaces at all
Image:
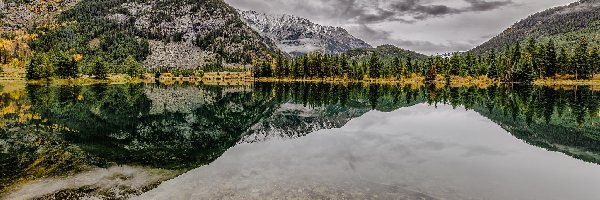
{"x":516,"y":63}
{"x":57,"y":64}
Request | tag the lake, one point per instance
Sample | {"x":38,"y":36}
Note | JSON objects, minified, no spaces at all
{"x":299,"y":141}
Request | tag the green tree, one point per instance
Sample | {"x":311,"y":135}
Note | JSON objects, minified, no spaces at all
{"x":99,"y":68}
{"x":431,"y":74}
{"x":493,"y":65}
{"x":279,"y":67}
{"x":535,"y":52}
{"x":563,"y":61}
{"x":523,"y":70}
{"x":455,"y":64}
{"x":550,"y":59}
{"x":40,"y":66}
{"x":66,"y":65}
{"x":595,"y":60}
{"x":134,"y":68}
{"x":396,"y":67}
{"x":581,"y":60}
{"x":375,"y":66}
{"x":266,"y":69}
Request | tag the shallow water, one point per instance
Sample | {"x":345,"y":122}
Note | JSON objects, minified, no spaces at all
{"x":302,"y":141}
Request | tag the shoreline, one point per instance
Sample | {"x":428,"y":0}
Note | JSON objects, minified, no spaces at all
{"x":481,"y":82}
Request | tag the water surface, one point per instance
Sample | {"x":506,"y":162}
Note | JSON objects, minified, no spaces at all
{"x":300,"y":141}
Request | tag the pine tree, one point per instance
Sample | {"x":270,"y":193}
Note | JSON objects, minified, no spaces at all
{"x":595,"y":60}
{"x":563,"y":61}
{"x":279,"y":65}
{"x":409,"y":66}
{"x":581,"y":60}
{"x":40,"y":66}
{"x":134,"y":69}
{"x":431,"y":74}
{"x":551,"y":60}
{"x":493,"y":66}
{"x":256,"y":70}
{"x":375,"y":66}
{"x":266,"y":69}
{"x":455,"y":64}
{"x":535,"y":51}
{"x":66,"y":65}
{"x":396,"y":68}
{"x":99,"y":68}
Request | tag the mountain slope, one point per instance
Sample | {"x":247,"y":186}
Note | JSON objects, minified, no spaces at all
{"x":159,"y":33}
{"x":297,"y":36}
{"x":580,"y":17}
{"x":20,"y":14}
{"x":386,"y":51}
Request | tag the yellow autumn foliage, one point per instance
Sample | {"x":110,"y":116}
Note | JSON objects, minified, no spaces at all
{"x":78,"y":57}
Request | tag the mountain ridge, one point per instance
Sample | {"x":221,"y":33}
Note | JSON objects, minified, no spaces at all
{"x":298,"y":36}
{"x":548,"y":24}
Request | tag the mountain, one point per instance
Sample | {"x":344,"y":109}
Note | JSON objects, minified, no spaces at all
{"x":158,"y":33}
{"x":386,"y":51}
{"x":565,"y":24}
{"x":297,"y":36}
{"x":292,"y":121}
{"x":20,"y":14}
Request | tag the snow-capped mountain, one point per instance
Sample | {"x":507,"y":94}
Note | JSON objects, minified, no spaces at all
{"x":297,"y":36}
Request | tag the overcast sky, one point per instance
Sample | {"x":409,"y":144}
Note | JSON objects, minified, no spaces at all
{"x":426,"y":26}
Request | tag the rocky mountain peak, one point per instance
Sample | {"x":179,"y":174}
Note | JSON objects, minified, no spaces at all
{"x":297,"y":36}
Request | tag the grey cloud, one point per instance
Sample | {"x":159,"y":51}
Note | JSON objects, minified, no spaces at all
{"x":418,"y":11}
{"x":369,"y":11}
{"x":479,"y":5}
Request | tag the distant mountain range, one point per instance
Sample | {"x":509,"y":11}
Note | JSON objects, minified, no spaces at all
{"x":385,"y":51}
{"x":297,"y":36}
{"x":564,"y":24}
{"x":188,"y":34}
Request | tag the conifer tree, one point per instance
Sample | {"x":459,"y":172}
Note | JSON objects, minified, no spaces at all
{"x":563,"y":61}
{"x":493,"y":65}
{"x":595,"y":60}
{"x":99,"y":68}
{"x":66,"y":65}
{"x":375,"y":66}
{"x":431,"y":74}
{"x":550,"y":60}
{"x":581,"y":60}
{"x":134,"y":69}
{"x":40,"y":66}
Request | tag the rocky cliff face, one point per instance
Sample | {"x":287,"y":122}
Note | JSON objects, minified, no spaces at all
{"x":20,"y":14}
{"x":297,"y":36}
{"x":189,"y":34}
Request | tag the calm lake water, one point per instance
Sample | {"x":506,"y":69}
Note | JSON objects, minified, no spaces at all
{"x":299,"y":141}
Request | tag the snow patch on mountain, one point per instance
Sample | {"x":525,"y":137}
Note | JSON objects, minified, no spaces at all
{"x":297,"y":36}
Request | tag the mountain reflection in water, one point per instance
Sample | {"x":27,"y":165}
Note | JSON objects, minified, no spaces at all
{"x":365,"y":140}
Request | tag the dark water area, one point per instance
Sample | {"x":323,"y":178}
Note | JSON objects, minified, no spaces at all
{"x":299,"y":140}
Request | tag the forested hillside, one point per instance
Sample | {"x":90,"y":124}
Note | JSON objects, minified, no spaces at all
{"x":565,"y":24}
{"x":385,"y":51}
{"x":110,"y":36}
